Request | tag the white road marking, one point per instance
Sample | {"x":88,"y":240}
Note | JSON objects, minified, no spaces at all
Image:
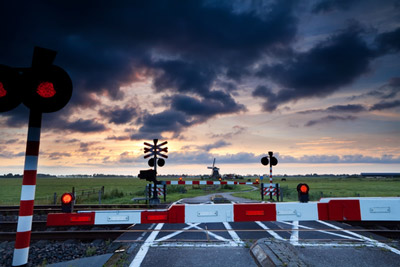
{"x":269,"y":231}
{"x":175,"y":233}
{"x":145,"y":247}
{"x":326,"y":232}
{"x":231,"y":242}
{"x":194,"y":244}
{"x":372,"y":241}
{"x":294,"y":237}
{"x":233,"y":234}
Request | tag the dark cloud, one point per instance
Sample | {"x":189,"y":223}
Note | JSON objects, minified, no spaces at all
{"x":335,"y":62}
{"x":386,"y":105}
{"x":389,"y":90}
{"x":216,"y":102}
{"x":186,"y":47}
{"x":58,"y":155}
{"x":237,"y":130}
{"x":119,"y":115}
{"x":166,"y":121}
{"x":352,"y":108}
{"x":389,"y":42}
{"x":218,"y":144}
{"x":82,"y":126}
{"x":325,"y":6}
{"x":329,"y":119}
{"x":118,"y":138}
{"x":9,"y":142}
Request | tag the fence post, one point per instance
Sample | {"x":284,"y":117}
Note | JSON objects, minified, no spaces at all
{"x":277,"y":192}
{"x":262,"y":191}
{"x":55,"y":198}
{"x":102,"y":190}
{"x":165,"y":193}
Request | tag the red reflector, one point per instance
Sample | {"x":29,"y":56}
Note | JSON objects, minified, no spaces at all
{"x":303,"y":189}
{"x":46,"y":89}
{"x":254,"y":212}
{"x":156,"y":217}
{"x":66,"y":198}
{"x":3,"y":91}
{"x":81,"y":219}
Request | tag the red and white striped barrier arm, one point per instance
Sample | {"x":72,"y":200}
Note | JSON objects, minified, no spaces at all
{"x":24,"y":225}
{"x":207,"y":182}
{"x":330,"y":209}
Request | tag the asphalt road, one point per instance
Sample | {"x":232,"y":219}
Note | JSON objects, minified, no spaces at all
{"x":228,"y":244}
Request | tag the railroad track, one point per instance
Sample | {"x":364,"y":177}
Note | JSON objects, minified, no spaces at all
{"x":44,"y":209}
{"x":89,"y":234}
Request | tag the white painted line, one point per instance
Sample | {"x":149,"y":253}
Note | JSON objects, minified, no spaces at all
{"x":24,"y":223}
{"x":34,"y":134}
{"x":31,"y":163}
{"x":294,"y":237}
{"x":145,"y":247}
{"x":193,"y":244}
{"x":233,"y":234}
{"x":269,"y":231}
{"x":326,"y":232}
{"x":20,"y":256}
{"x":28,"y":192}
{"x":231,"y":242}
{"x":175,"y":233}
{"x":372,"y":241}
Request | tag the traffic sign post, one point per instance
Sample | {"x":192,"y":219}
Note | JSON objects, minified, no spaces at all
{"x":155,"y":151}
{"x":272,"y":161}
{"x":43,"y":88}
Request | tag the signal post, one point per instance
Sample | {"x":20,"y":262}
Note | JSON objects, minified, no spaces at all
{"x":43,"y":88}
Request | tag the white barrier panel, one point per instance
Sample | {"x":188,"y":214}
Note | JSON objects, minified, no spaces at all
{"x":117,"y":217}
{"x":208,"y":213}
{"x":380,"y":209}
{"x":296,"y":211}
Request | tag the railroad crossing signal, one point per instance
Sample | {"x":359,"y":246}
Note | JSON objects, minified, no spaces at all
{"x":149,"y":175}
{"x":67,"y":202}
{"x":302,"y":190}
{"x":42,"y":88}
{"x":272,"y":160}
{"x":155,"y":151}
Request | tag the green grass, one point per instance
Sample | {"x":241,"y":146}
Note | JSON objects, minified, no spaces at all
{"x":122,"y":190}
{"x":334,"y":187}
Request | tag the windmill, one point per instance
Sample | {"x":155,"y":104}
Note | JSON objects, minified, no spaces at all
{"x":215,"y":171}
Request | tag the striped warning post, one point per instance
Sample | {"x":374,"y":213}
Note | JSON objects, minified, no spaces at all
{"x":24,"y":226}
{"x":331,"y":209}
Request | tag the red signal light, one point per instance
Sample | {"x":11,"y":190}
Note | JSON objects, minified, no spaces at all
{"x":66,"y":198}
{"x":180,"y":179}
{"x":3,"y":91}
{"x":257,"y":181}
{"x":303,"y":189}
{"x":46,"y":89}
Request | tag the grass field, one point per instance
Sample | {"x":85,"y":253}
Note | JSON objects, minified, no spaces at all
{"x":334,"y":187}
{"x":122,"y":190}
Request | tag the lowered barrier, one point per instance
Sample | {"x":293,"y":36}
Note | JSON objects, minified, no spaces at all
{"x":327,"y":209}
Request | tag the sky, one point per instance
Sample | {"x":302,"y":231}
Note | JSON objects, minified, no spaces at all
{"x":316,"y":82}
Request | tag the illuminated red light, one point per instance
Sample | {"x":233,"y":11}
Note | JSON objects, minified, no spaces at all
{"x":3,"y":91}
{"x":254,"y":212}
{"x":81,"y":219}
{"x":156,"y":217}
{"x":66,"y":198}
{"x":303,"y":189}
{"x":46,"y":89}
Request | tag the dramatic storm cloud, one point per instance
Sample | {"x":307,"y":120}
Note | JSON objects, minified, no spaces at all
{"x":226,"y":79}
